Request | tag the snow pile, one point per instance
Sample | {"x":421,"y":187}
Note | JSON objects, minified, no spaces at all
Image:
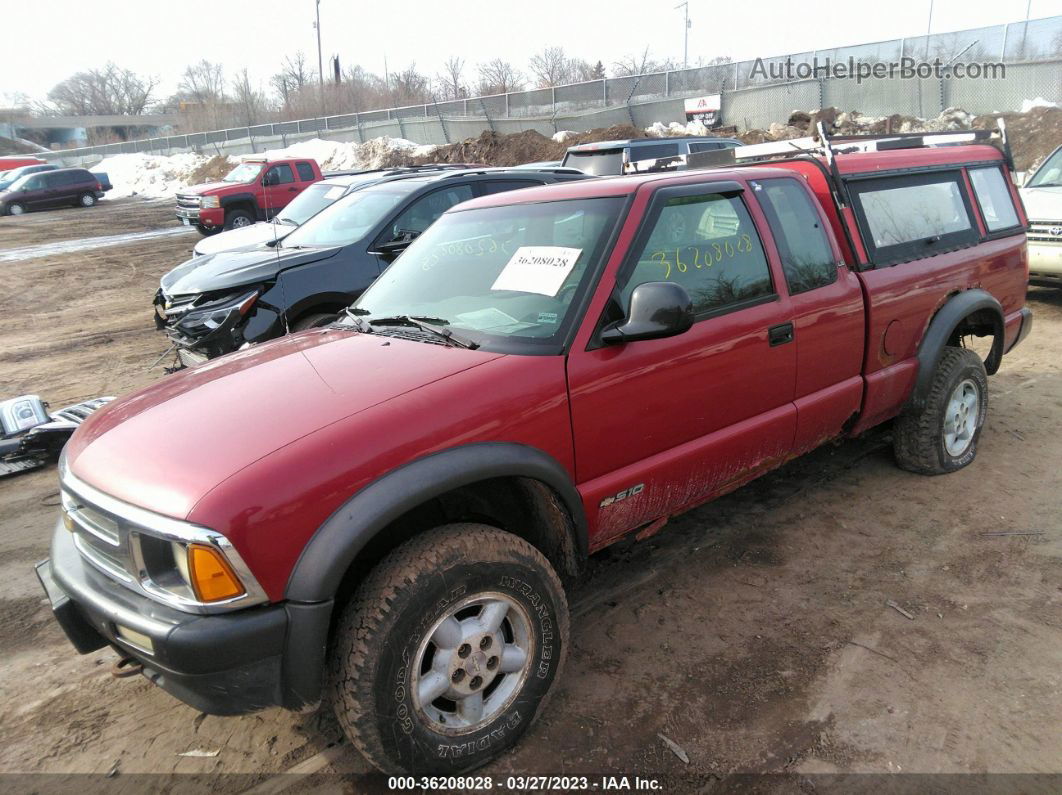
{"x":151,"y":176}
{"x":339,"y":156}
{"x":1039,"y":102}
{"x":158,"y":176}
{"x":660,"y":130}
{"x":563,"y":135}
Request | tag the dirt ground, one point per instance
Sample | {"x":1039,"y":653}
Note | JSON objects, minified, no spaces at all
{"x":754,"y":632}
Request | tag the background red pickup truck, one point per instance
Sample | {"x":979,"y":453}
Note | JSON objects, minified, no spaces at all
{"x":255,"y":190}
{"x":540,"y":373}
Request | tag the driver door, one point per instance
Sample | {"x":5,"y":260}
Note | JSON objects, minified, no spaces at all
{"x":280,"y":188}
{"x":662,"y":425}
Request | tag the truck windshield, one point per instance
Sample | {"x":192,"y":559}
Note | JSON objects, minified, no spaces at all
{"x":245,"y":172}
{"x":600,"y":163}
{"x":310,"y":202}
{"x":497,"y":273}
{"x":348,"y":220}
{"x":1049,"y":174}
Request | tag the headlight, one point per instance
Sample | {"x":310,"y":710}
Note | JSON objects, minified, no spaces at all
{"x":214,"y":314}
{"x":189,"y":571}
{"x":210,"y":201}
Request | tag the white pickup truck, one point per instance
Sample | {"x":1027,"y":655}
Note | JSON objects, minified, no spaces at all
{"x":1042,"y":195}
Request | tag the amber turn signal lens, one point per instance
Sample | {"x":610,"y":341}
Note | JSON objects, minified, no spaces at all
{"x":212,"y":578}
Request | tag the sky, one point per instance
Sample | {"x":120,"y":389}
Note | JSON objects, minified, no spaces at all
{"x":161,"y":38}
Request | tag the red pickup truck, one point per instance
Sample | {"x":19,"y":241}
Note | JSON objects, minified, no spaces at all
{"x":394,"y":499}
{"x":255,"y":190}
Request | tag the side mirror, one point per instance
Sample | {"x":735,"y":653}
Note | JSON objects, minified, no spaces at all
{"x":658,"y":310}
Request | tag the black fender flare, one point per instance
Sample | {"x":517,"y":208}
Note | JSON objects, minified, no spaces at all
{"x":333,"y":547}
{"x":940,"y":331}
{"x":241,"y":198}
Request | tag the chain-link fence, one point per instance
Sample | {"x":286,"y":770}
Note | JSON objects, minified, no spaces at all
{"x":754,"y":94}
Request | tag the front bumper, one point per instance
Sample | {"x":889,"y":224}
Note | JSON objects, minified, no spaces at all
{"x":222,"y":664}
{"x":1045,"y":264}
{"x":201,"y":216}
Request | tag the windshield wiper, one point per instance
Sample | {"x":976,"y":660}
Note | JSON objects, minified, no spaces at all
{"x":1046,"y":185}
{"x":279,"y":220}
{"x":359,"y":322}
{"x":424,"y":324}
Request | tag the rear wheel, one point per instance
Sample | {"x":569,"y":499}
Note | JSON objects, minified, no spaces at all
{"x":87,"y":200}
{"x":943,"y":436}
{"x":237,"y":219}
{"x":15,"y":208}
{"x":448,"y":650}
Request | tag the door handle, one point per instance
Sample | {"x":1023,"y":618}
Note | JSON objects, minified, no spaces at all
{"x":780,"y":334}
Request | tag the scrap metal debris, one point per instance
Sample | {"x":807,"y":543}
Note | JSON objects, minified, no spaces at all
{"x":899,"y":609}
{"x":201,"y":754}
{"x":676,"y":749}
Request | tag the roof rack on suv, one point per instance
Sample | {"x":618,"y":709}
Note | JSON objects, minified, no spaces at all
{"x":394,"y":170}
{"x":516,"y":169}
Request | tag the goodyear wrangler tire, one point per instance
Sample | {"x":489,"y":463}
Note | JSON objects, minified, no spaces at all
{"x":448,"y":650}
{"x":943,"y":436}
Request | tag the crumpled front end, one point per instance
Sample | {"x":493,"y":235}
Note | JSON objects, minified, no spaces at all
{"x":207,"y":325}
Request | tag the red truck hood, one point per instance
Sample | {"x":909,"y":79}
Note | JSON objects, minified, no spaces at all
{"x":210,"y":187}
{"x":166,"y":446}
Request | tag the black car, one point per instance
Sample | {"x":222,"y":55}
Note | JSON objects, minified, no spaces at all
{"x":639,"y":155}
{"x":218,"y":303}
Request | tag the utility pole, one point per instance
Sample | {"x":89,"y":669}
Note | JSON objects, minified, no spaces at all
{"x":685,"y":34}
{"x":320,"y":61}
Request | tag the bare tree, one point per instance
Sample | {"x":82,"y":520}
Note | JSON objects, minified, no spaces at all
{"x":294,"y":76}
{"x":640,"y":64}
{"x":450,"y":81}
{"x":410,"y":87}
{"x":111,"y":90}
{"x":551,"y":67}
{"x":251,"y":103}
{"x":499,"y":77}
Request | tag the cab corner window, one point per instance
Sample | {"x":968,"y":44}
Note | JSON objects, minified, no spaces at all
{"x":993,"y":196}
{"x":708,"y":244}
{"x":807,"y":259}
{"x":913,"y":215}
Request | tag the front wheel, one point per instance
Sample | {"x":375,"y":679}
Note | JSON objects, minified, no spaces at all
{"x":448,"y":649}
{"x":943,"y":436}
{"x":15,"y":208}
{"x":238,"y":219}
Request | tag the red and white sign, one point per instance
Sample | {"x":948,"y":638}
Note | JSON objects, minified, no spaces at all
{"x":704,"y":109}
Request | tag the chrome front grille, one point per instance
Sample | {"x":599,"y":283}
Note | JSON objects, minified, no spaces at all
{"x":1045,"y":232}
{"x":188,"y":202}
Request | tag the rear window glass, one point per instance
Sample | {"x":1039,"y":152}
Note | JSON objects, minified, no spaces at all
{"x":600,"y":163}
{"x":994,"y":198}
{"x":913,"y":216}
{"x":305,"y":172}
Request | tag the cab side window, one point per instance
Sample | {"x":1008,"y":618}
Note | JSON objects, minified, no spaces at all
{"x":807,"y":259}
{"x":427,"y":209}
{"x":280,"y":175}
{"x":709,"y":245}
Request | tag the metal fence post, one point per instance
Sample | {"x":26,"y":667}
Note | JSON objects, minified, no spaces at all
{"x":507,"y":114}
{"x":490,"y":121}
{"x":251,"y":139}
{"x":604,"y":92}
{"x":553,"y":90}
{"x":1003,"y":49}
{"x":667,"y":83}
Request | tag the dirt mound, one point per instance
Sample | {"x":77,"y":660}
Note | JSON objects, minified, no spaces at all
{"x":211,"y":171}
{"x":1033,"y":135}
{"x":515,"y":149}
